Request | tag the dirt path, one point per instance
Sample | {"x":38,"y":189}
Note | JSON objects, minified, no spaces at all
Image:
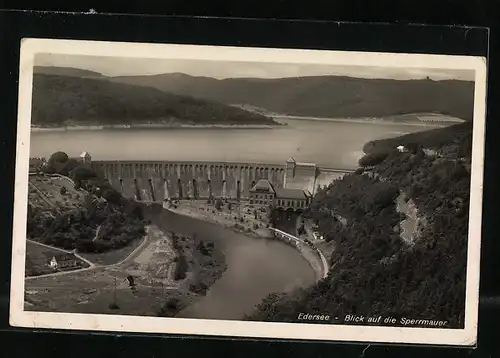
{"x":96,"y":233}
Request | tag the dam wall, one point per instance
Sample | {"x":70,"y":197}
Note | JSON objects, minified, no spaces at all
{"x":156,"y":181}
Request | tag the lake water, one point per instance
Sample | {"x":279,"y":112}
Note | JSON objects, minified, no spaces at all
{"x":329,"y":144}
{"x":256,"y":267}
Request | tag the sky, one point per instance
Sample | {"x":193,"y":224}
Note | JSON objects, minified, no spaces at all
{"x":120,"y":66}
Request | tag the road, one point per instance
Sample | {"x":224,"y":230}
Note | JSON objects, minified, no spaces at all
{"x":296,"y":239}
{"x":92,"y":265}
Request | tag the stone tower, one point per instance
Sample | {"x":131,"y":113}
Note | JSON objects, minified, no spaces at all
{"x":289,"y":171}
{"x":85,"y":158}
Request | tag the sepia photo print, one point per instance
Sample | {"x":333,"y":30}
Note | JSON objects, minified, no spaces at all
{"x":248,"y":192}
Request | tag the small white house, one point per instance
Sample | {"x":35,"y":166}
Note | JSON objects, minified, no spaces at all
{"x":53,"y":263}
{"x":401,"y":148}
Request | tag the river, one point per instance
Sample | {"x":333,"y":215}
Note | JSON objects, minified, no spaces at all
{"x":256,"y":267}
{"x":328,"y":144}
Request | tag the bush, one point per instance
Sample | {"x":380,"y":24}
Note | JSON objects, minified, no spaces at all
{"x":112,"y":196}
{"x":68,"y":166}
{"x":114,"y":306}
{"x":170,"y":307}
{"x":82,"y":172}
{"x":203,"y":249}
{"x":181,"y":268}
{"x":198,"y":287}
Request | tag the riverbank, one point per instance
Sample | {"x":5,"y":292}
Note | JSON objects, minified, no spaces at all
{"x":239,"y":217}
{"x":197,"y":265}
{"x":314,"y":257}
{"x":248,"y":221}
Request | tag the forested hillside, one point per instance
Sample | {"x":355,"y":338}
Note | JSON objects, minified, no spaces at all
{"x":100,"y":220}
{"x":67,"y":100}
{"x":323,"y":96}
{"x":374,"y":271}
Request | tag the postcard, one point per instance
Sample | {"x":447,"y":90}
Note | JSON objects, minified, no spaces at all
{"x":248,"y":192}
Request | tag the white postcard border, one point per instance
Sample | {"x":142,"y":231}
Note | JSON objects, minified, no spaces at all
{"x":98,"y":322}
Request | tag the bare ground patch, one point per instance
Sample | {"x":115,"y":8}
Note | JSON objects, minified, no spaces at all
{"x":240,"y":217}
{"x":154,"y":290}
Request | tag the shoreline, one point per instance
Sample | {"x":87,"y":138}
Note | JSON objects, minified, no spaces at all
{"x":152,"y":126}
{"x":280,"y":121}
{"x":367,"y":120}
{"x":198,"y":211}
{"x":205,"y":212}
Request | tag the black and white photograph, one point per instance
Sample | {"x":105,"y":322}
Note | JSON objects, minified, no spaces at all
{"x":248,"y":192}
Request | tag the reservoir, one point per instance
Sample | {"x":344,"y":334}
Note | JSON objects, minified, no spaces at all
{"x":326,"y":143}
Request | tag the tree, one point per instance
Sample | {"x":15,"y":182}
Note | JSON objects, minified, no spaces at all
{"x":414,"y":148}
{"x":112,"y":196}
{"x":63,"y":190}
{"x":68,"y":166}
{"x":372,"y":159}
{"x":218,"y":204}
{"x":181,"y":268}
{"x":83,"y":172}
{"x":56,"y":162}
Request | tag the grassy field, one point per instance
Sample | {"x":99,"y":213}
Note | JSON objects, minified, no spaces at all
{"x":46,"y":192}
{"x":114,"y":256}
{"x":38,"y":258}
{"x":143,"y":301}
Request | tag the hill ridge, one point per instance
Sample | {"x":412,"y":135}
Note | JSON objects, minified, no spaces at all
{"x":67,"y":100}
{"x":324,"y":96}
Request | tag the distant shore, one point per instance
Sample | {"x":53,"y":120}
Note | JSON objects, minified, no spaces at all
{"x":142,"y":126}
{"x":401,"y":120}
{"x":280,"y":120}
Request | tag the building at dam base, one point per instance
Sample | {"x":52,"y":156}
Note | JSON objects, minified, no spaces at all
{"x":263,"y":194}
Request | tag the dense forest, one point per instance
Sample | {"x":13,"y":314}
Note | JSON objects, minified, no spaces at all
{"x":373,"y":271}
{"x":66,"y":100}
{"x":323,"y":96}
{"x":119,"y":219}
{"x":316,"y":96}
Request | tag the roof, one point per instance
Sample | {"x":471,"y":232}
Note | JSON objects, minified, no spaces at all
{"x":263,"y":185}
{"x":305,"y":164}
{"x":285,"y":193}
{"x":291,"y":160}
{"x":85,"y":155}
